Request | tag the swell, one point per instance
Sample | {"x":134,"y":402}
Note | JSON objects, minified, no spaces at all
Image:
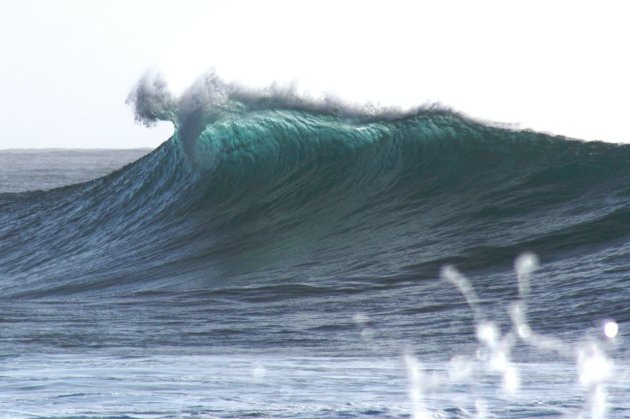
{"x":267,"y":196}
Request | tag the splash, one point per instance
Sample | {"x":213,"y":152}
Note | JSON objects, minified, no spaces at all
{"x":152,"y":100}
{"x":595,"y":368}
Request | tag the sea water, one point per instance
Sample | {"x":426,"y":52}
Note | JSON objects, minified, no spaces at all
{"x":282,"y":262}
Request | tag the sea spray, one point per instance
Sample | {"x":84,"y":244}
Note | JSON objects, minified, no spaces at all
{"x":416,"y":390}
{"x":594,"y":366}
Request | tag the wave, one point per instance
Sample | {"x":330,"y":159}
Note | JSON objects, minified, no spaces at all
{"x":266,"y":189}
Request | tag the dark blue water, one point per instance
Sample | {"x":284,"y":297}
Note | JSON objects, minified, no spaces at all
{"x":275,"y":259}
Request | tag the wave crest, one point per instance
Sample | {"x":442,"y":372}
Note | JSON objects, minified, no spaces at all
{"x":211,"y":99}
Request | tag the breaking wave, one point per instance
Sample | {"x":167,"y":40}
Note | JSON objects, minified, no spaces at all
{"x":267,"y":188}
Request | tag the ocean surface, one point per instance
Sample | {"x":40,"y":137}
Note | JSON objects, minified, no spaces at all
{"x":33,"y":169}
{"x":274,"y":259}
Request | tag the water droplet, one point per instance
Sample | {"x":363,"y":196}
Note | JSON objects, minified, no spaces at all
{"x":611,"y":328}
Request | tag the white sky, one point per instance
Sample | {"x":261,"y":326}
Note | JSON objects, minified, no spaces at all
{"x":557,"y":66}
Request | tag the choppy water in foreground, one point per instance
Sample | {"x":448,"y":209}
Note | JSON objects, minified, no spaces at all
{"x":270,"y":261}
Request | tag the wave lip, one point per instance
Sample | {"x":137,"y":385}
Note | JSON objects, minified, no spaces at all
{"x":210,"y":98}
